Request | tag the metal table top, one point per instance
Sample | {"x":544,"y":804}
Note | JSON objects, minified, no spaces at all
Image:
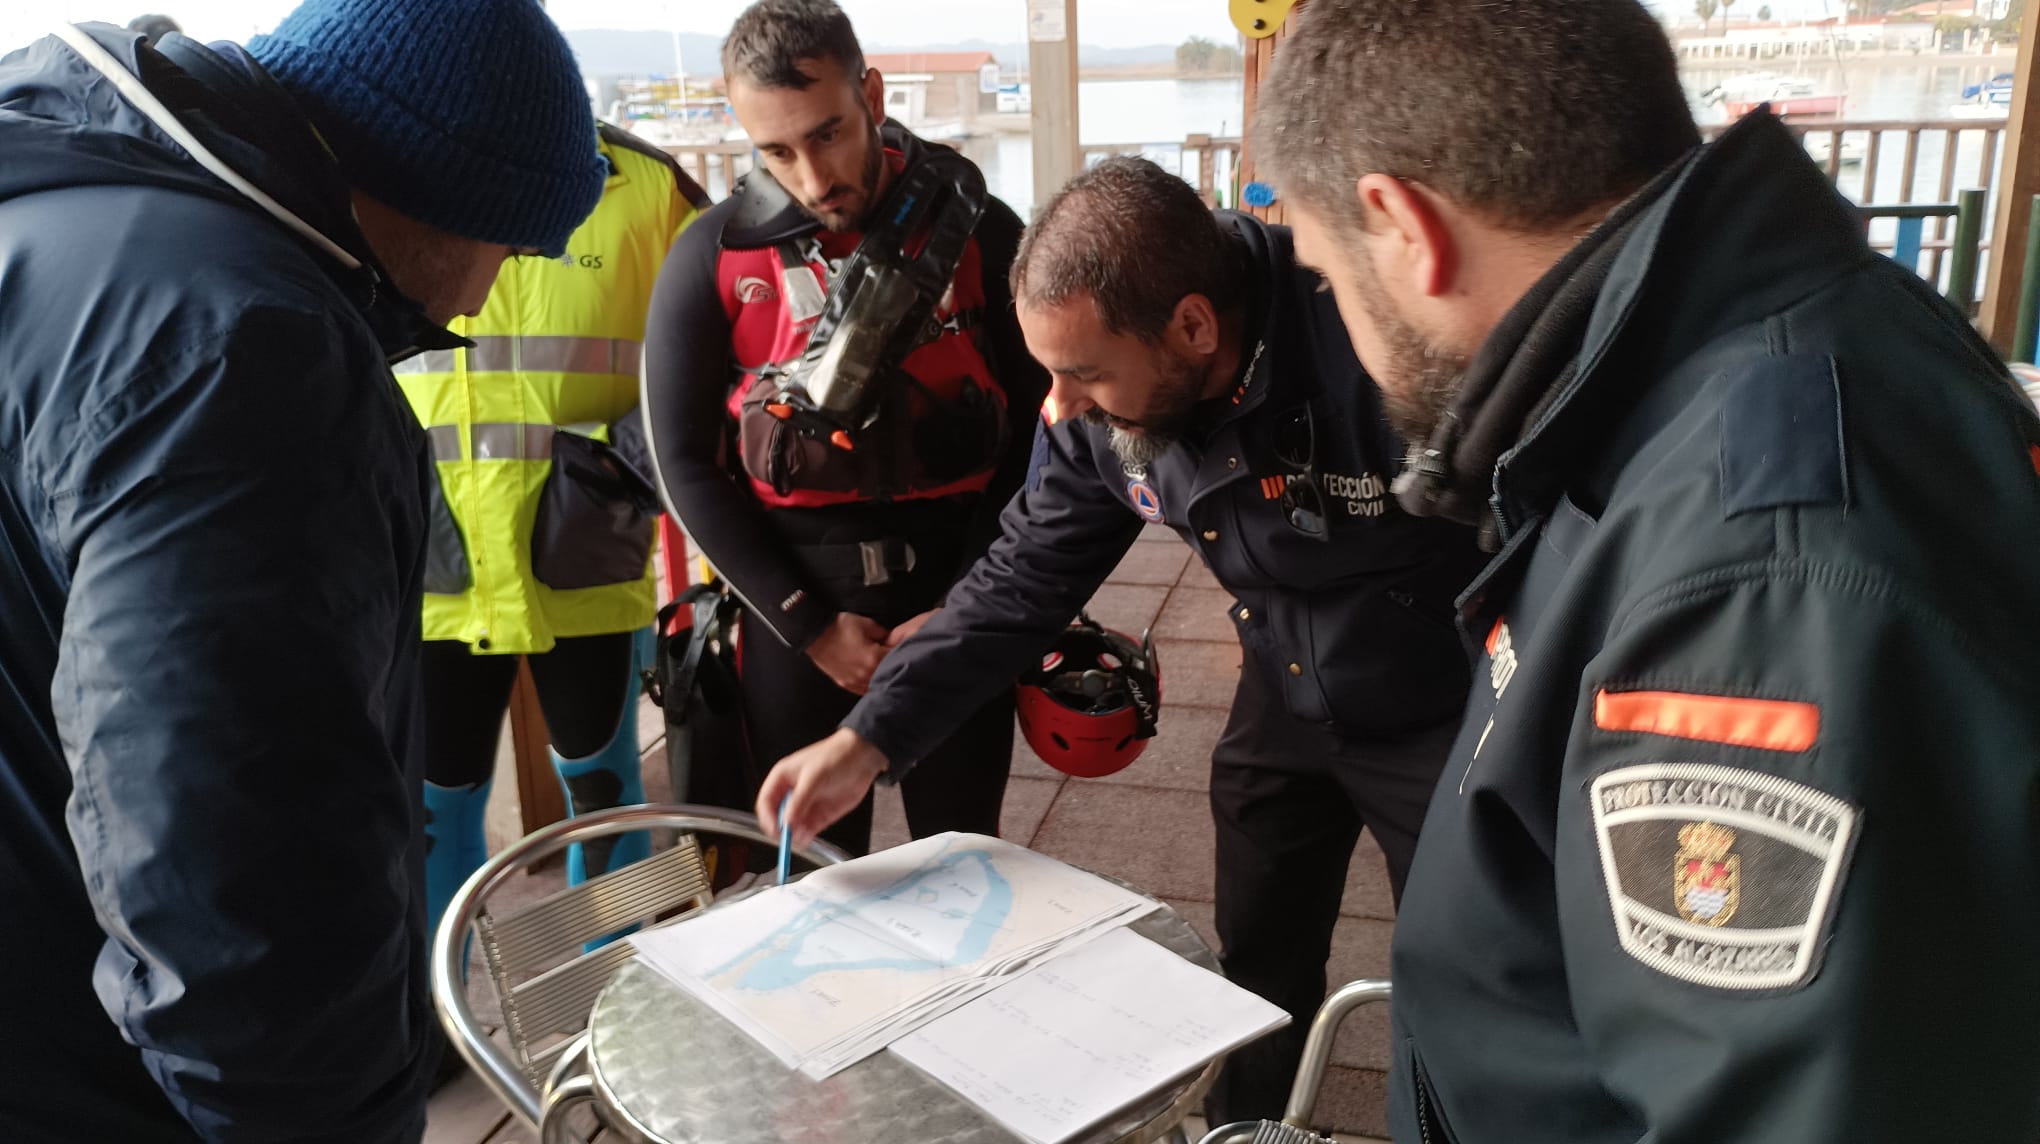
{"x":670,"y":1070}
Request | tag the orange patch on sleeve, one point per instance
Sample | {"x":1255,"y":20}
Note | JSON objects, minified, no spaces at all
{"x":1766,"y":724}
{"x":2033,"y":453}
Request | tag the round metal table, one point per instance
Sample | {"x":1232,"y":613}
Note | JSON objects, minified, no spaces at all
{"x":669,"y":1070}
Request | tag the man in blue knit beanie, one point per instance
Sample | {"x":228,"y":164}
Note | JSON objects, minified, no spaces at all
{"x":213,"y":537}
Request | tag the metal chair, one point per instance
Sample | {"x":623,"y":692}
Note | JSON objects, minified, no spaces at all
{"x":534,"y":954}
{"x":1294,"y":1127}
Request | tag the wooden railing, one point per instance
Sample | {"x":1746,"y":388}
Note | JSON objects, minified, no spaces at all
{"x":1909,"y":161}
{"x":716,"y":166}
{"x":1210,"y":163}
{"x":1892,"y":162}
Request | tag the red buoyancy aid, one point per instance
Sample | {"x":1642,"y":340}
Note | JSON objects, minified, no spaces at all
{"x":943,"y":424}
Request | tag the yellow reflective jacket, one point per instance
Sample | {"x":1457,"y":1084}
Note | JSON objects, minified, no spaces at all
{"x":558,"y":348}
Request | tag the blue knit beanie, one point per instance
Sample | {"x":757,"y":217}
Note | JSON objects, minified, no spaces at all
{"x":467,"y":115}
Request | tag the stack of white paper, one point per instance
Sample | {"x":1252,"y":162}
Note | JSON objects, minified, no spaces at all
{"x":830,"y":969}
{"x":1086,"y":1035}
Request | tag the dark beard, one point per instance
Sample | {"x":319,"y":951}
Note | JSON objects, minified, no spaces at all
{"x":1421,"y":379}
{"x":1179,"y":386}
{"x":867,"y":185}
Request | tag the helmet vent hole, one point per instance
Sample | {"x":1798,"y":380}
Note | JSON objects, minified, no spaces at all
{"x":1060,"y":742}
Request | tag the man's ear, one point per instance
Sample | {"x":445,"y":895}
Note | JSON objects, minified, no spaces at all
{"x":874,"y":95}
{"x":1195,"y":324}
{"x":1411,"y":235}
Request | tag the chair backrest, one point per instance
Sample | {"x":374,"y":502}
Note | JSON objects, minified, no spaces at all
{"x":538,"y":959}
{"x":544,"y":980}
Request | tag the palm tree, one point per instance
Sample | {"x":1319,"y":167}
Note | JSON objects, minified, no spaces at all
{"x":1705,"y":9}
{"x":1725,"y":6}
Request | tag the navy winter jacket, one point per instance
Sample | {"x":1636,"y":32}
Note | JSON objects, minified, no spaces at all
{"x":211,"y":542}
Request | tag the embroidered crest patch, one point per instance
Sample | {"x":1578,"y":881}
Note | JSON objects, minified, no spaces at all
{"x":1144,"y":500}
{"x":1722,"y":876}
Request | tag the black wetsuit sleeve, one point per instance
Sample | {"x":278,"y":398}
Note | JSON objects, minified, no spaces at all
{"x":1061,"y":536}
{"x":1023,"y":378}
{"x":687,"y":378}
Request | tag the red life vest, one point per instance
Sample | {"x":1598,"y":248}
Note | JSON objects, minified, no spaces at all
{"x":943,"y":424}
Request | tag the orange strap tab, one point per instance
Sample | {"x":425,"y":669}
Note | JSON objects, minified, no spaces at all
{"x":1766,"y":724}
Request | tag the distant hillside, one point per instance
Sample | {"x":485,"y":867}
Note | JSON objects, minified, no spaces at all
{"x":613,"y":52}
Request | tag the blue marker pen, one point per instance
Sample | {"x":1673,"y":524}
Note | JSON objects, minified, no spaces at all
{"x":785,"y":841}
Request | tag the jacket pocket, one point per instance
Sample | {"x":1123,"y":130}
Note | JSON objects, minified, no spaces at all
{"x":595,"y":517}
{"x":1390,"y":660}
{"x":778,"y":454}
{"x":446,"y":561}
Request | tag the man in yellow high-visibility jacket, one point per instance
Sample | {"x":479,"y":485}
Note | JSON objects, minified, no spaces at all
{"x":541,"y":538}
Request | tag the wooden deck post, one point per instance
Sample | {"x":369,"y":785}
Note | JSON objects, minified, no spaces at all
{"x":2018,"y":182}
{"x":539,"y":801}
{"x":1260,"y":56}
{"x":1052,"y":78}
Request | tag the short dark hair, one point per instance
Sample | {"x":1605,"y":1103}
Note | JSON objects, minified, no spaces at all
{"x":770,"y":39}
{"x":1134,"y":237}
{"x":1531,"y":112}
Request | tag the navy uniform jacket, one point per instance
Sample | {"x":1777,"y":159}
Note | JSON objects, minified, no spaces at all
{"x":212,"y":534}
{"x":1355,"y":632}
{"x":1739,"y":842}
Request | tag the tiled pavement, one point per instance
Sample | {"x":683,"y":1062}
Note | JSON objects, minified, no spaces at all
{"x":1149,"y":825}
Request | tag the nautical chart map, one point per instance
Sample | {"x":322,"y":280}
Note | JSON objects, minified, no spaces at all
{"x":866,"y":950}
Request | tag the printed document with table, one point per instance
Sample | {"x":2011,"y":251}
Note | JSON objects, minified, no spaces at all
{"x":1087,"y":1034}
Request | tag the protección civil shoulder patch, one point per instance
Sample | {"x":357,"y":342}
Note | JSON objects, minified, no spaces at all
{"x":1722,"y":876}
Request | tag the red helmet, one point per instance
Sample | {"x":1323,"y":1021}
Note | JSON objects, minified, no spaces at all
{"x":1090,"y":708}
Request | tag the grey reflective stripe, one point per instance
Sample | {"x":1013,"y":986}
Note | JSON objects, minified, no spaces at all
{"x":539,"y":353}
{"x":431,"y":361}
{"x":555,"y":354}
{"x":445,"y":442}
{"x":494,"y":441}
{"x":512,"y":441}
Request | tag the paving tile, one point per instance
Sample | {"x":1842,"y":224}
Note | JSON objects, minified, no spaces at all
{"x":1354,"y":1100}
{"x":1367,"y":893}
{"x":1026,"y":804}
{"x":1159,"y":534}
{"x":1198,"y":673}
{"x":1360,"y":950}
{"x":503,"y":824}
{"x":651,"y":722}
{"x":1027,"y":764}
{"x":464,"y":1112}
{"x":658,"y":780}
{"x":1179,"y":756}
{"x":1151,"y":564}
{"x":1158,"y":841}
{"x":888,"y":819}
{"x":1026,"y":807}
{"x":1129,"y":608}
{"x":1196,"y":614}
{"x":1196,"y":574}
